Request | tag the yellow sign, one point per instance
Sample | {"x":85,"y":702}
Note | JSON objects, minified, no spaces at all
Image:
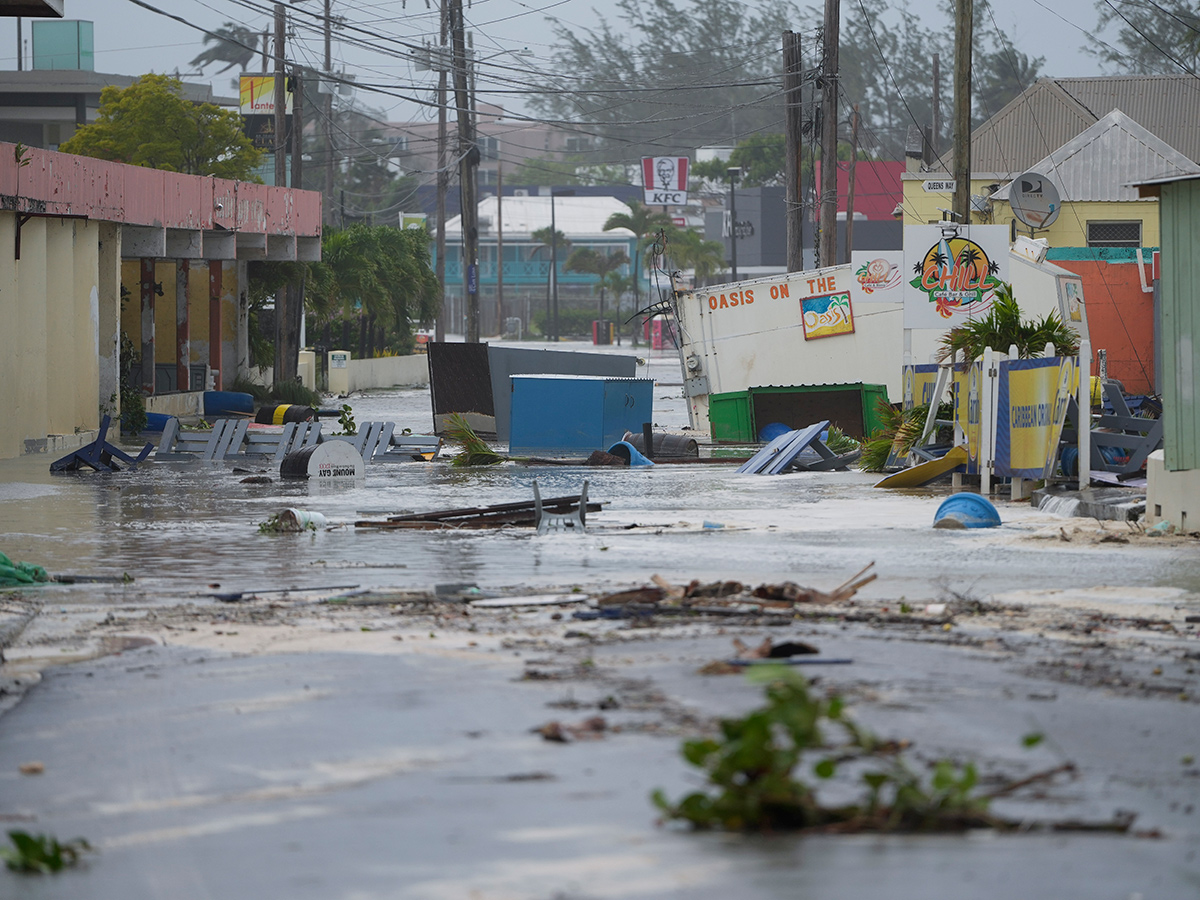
{"x":967,"y":384}
{"x":1033,"y":407}
{"x":919,"y":382}
{"x":257,"y":96}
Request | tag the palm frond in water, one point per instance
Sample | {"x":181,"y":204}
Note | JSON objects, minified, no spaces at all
{"x":475,"y":450}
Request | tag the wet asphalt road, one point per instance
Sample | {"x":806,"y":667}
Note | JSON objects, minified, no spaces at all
{"x":203,"y":774}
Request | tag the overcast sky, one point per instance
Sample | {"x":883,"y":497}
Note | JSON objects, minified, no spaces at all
{"x":131,"y":40}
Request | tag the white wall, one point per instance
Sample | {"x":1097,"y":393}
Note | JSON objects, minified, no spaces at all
{"x":388,"y":371}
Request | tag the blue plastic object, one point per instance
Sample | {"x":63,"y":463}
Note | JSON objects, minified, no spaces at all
{"x":228,"y":403}
{"x":768,"y":433}
{"x":156,"y":421}
{"x":966,"y":511}
{"x":629,"y":453}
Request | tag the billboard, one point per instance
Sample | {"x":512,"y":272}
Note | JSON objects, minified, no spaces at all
{"x":878,"y":276}
{"x":256,"y":103}
{"x":952,"y":272}
{"x":664,"y":180}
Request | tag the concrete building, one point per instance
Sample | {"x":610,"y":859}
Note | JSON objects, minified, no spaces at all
{"x":526,"y":262}
{"x":1092,"y":138}
{"x":68,"y":225}
{"x":43,"y":107}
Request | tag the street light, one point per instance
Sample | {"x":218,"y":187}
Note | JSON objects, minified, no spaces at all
{"x":554,"y":253}
{"x":733,"y":172}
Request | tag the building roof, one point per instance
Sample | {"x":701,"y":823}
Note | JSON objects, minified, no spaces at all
{"x":1053,"y":110}
{"x":576,"y":217}
{"x":1100,"y":163}
{"x":81,"y":81}
{"x":43,"y":8}
{"x":877,"y":187}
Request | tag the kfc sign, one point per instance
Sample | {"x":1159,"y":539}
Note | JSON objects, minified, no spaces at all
{"x":665,"y":180}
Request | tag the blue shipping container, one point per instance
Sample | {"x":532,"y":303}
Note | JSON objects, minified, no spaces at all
{"x":574,"y":414}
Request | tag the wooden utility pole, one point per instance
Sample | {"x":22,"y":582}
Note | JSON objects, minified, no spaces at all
{"x":443,"y":184}
{"x":280,"y":99}
{"x":829,"y":130}
{"x":937,"y":105}
{"x":468,"y":170}
{"x":281,"y":295}
{"x":793,"y":137}
{"x":499,"y":247}
{"x":964,"y":26}
{"x":850,"y":184}
{"x":328,"y":104}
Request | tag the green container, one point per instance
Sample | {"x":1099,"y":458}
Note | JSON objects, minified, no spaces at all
{"x":736,"y":417}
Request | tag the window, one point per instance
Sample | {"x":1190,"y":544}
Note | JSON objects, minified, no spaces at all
{"x":1114,"y":234}
{"x":489,"y":147}
{"x":578,"y":144}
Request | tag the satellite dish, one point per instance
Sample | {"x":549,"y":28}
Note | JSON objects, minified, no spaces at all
{"x":1034,"y":200}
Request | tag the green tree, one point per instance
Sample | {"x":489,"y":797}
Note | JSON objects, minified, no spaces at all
{"x":378,"y":275}
{"x":556,"y":246}
{"x":1151,"y":39}
{"x":689,"y":250}
{"x":592,"y":261}
{"x":717,"y":75}
{"x":762,"y":157}
{"x":643,"y":222}
{"x":150,"y":124}
{"x":233,"y":44}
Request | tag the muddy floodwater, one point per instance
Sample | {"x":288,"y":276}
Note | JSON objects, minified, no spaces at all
{"x":179,"y":527}
{"x":329,"y":736}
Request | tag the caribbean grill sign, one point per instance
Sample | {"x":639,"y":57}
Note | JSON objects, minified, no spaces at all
{"x":952,"y":273}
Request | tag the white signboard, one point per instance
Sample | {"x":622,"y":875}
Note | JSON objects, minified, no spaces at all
{"x":951,"y":272}
{"x":878,"y":276}
{"x":939,"y":187}
{"x":664,"y":179}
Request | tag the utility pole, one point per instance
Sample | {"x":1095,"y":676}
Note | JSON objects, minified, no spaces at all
{"x":443,"y":183}
{"x":829,"y":136}
{"x":280,"y":98}
{"x":20,"y":47}
{"x":964,"y":26}
{"x":733,"y":172}
{"x":937,"y":105}
{"x":281,"y":298}
{"x":850,"y":183}
{"x":328,"y":104}
{"x":499,"y":246}
{"x":793,"y":137}
{"x":467,"y":172}
{"x":266,"y":38}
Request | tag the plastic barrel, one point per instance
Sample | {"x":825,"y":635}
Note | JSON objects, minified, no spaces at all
{"x":966,"y":511}
{"x":769,"y":432}
{"x":156,"y":421}
{"x":282,"y":413}
{"x":330,"y":462}
{"x":629,"y":453}
{"x":228,"y":403}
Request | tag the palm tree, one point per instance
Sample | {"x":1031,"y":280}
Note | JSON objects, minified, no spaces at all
{"x":690,"y":250}
{"x":642,"y":221}
{"x":233,"y":44}
{"x":555,"y":246}
{"x":587,"y":259}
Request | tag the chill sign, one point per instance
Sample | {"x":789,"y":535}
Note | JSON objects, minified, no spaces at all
{"x":664,"y":179}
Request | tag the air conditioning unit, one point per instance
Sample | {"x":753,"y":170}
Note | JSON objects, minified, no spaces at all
{"x":521,"y":192}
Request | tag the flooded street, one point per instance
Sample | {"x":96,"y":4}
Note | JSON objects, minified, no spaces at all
{"x":380,"y":747}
